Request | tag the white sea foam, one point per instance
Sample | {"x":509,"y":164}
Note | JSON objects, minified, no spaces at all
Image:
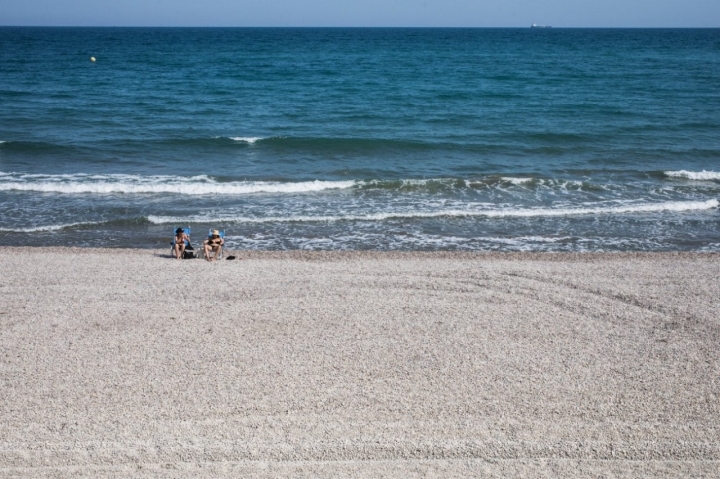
{"x":516,"y":181}
{"x":543,"y":239}
{"x":414,"y":241}
{"x":417,"y":182}
{"x":247,"y":139}
{"x":81,"y":183}
{"x":694,"y":175}
{"x":37,"y":229}
{"x":675,"y":206}
{"x":427,"y":181}
{"x":409,"y":181}
{"x":133,"y":184}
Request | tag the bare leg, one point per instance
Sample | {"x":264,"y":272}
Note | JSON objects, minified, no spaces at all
{"x":207,"y":252}
{"x":176,"y":250}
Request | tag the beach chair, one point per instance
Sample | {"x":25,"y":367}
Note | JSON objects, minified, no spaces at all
{"x":201,"y":251}
{"x":188,"y":246}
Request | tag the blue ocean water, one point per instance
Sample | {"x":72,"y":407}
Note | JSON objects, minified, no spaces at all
{"x":387,"y":139}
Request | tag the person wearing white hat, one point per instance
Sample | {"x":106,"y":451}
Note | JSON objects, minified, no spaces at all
{"x":213,"y":244}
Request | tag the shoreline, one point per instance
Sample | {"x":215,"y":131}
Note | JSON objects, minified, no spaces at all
{"x":117,"y":363}
{"x":378,"y":254}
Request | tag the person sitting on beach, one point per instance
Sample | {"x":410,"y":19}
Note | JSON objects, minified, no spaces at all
{"x":214,"y":243}
{"x":180,"y":239}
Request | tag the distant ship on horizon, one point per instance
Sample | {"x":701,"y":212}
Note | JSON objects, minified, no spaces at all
{"x":535,"y":25}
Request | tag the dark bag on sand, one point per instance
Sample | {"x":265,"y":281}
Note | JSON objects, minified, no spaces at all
{"x":188,"y":255}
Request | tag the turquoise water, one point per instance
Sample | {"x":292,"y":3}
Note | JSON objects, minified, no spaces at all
{"x":411,"y":139}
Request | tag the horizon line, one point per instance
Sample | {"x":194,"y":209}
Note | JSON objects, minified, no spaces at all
{"x":365,"y":27}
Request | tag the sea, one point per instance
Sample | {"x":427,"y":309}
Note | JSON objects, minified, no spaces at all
{"x":362,"y":138}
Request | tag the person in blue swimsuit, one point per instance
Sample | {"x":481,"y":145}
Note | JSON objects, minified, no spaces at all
{"x":180,"y":239}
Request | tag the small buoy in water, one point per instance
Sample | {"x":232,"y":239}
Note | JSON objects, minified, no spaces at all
{"x":92,"y":59}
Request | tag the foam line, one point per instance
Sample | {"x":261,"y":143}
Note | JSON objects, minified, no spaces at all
{"x":37,"y":229}
{"x":247,"y":139}
{"x":516,"y":181}
{"x":694,"y":175}
{"x":131,"y":184}
{"x":674,"y":206}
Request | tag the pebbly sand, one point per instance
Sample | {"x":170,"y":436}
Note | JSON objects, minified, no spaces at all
{"x":125,"y":363}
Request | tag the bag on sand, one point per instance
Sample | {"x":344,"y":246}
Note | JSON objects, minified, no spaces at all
{"x":188,"y":254}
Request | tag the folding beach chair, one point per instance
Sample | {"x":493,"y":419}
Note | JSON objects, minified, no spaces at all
{"x":201,"y":252}
{"x":188,"y":246}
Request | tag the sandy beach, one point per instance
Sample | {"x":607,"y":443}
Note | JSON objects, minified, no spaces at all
{"x":125,"y":363}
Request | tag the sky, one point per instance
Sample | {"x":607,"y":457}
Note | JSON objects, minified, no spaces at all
{"x":363,"y":13}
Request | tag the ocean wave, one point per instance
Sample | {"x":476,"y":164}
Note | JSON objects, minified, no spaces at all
{"x":674,"y":206}
{"x":431,"y":184}
{"x":133,"y":184}
{"x":493,"y":181}
{"x":694,"y":175}
{"x":247,"y":139}
{"x":81,"y":183}
{"x":39,"y":229}
{"x":517,"y":181}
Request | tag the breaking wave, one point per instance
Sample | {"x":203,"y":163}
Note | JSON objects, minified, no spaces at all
{"x":133,"y":184}
{"x":517,"y":181}
{"x":38,"y":229}
{"x":694,"y":175}
{"x":205,"y":185}
{"x":247,"y":139}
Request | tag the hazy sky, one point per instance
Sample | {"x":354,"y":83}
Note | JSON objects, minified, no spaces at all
{"x":431,"y":13}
